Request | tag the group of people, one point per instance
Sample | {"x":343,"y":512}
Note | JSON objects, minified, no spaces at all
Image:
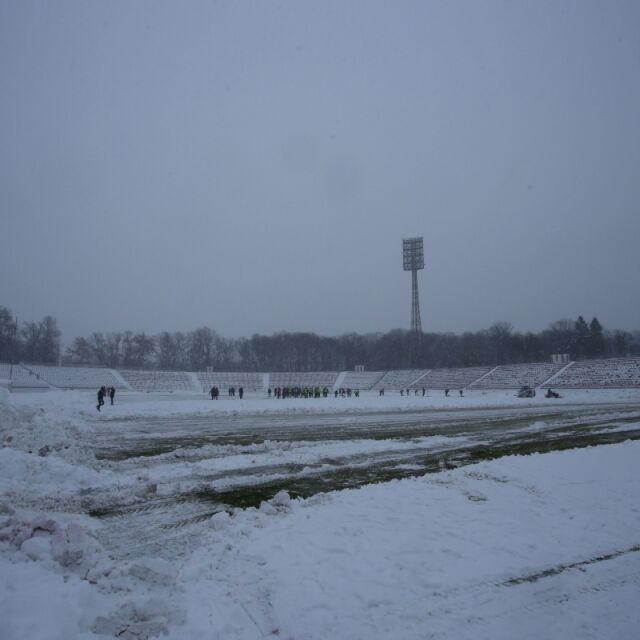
{"x":102,"y":392}
{"x":346,"y":393}
{"x":422,"y":391}
{"x":316,"y":392}
{"x":214,"y":392}
{"x":407,"y":392}
{"x":292,"y":392}
{"x":310,"y":392}
{"x":298,"y":392}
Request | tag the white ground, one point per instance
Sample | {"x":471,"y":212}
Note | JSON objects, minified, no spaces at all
{"x":540,"y":546}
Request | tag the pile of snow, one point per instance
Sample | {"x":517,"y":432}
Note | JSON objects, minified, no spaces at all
{"x":48,"y":539}
{"x":38,"y":430}
{"x":58,"y":582}
{"x":42,"y":461}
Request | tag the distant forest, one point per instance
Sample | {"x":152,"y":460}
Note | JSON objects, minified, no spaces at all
{"x":398,"y":349}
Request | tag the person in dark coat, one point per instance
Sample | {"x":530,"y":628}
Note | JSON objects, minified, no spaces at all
{"x":112,"y":393}
{"x":101,"y":392}
{"x":240,"y":392}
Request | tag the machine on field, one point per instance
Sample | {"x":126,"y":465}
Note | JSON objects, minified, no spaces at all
{"x":526,"y":391}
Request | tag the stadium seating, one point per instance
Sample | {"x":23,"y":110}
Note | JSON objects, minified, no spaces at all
{"x":361,"y":379}
{"x":224,"y":380}
{"x":76,"y":377}
{"x":307,"y":379}
{"x":621,"y":373}
{"x":158,"y":381}
{"x":514,"y":376}
{"x":21,"y":377}
{"x":399,"y":378}
{"x":450,"y":378}
{"x":588,"y":374}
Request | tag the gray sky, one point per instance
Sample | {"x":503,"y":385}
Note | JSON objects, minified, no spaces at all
{"x":254,"y":166}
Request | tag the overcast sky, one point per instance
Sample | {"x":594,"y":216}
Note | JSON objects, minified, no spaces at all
{"x":254,"y":166}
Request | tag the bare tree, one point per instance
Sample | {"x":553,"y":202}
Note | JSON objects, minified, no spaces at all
{"x":49,"y":340}
{"x":81,"y":352}
{"x":8,"y":335}
{"x":201,"y":348}
{"x":167,"y":352}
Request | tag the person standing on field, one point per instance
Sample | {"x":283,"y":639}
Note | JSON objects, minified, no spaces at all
{"x":112,"y":393}
{"x":101,"y":392}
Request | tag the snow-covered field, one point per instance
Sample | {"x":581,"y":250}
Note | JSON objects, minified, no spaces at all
{"x":371,"y":517}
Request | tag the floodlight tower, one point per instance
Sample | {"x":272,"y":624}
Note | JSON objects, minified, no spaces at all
{"x":413,"y":260}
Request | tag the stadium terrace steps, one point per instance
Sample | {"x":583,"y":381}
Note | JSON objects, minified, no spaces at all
{"x":400,"y":378}
{"x":158,"y":381}
{"x":514,"y":376}
{"x":612,"y":373}
{"x":339,"y":380}
{"x":361,"y":379}
{"x":304,"y":379}
{"x":76,"y":377}
{"x":224,"y":380}
{"x":123,"y":383}
{"x":21,"y":377}
{"x":450,"y":378}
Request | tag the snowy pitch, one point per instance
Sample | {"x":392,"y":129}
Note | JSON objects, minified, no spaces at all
{"x":133,"y":523}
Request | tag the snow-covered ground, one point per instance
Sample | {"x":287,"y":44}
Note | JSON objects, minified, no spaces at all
{"x":82,"y":404}
{"x":542,"y":545}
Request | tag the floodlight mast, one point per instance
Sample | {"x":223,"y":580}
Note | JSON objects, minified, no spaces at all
{"x":413,"y":260}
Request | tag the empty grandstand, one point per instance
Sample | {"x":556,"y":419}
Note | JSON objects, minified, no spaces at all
{"x":450,"y":378}
{"x":76,"y":377}
{"x":513,"y":376}
{"x":306,"y":379}
{"x":399,"y":378}
{"x":5,"y":371}
{"x":21,"y":378}
{"x":222,"y":380}
{"x":361,"y":379}
{"x":616,"y":373}
{"x":159,"y":381}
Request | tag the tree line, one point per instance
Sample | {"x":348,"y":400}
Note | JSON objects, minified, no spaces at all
{"x":397,"y":349}
{"x":28,"y":341}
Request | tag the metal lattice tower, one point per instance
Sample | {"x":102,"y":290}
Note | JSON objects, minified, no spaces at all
{"x":413,"y":260}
